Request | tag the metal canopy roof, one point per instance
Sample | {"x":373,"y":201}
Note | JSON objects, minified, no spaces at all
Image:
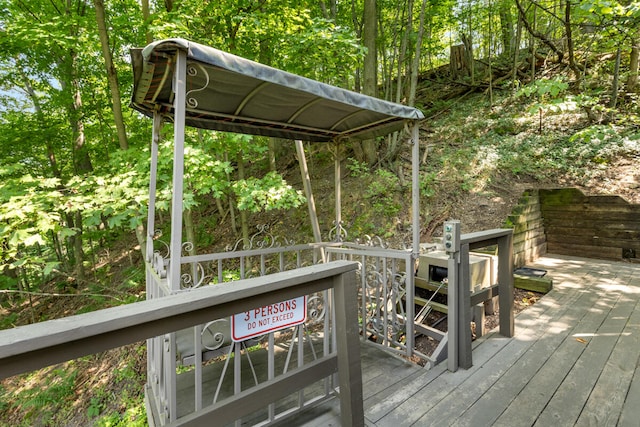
{"x":228,"y":93}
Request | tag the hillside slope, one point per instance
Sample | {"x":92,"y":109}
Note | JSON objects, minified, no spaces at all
{"x":477,"y":159}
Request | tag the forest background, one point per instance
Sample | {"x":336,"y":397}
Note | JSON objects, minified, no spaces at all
{"x":517,"y":93}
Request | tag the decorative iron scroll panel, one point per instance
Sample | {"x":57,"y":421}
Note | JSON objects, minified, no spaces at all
{"x":382,"y":279}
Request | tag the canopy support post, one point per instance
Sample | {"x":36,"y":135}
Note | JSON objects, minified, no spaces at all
{"x":179,"y":108}
{"x":175,"y":246}
{"x":338,"y":191}
{"x":153,"y":177}
{"x":306,"y":181}
{"x":415,"y":229}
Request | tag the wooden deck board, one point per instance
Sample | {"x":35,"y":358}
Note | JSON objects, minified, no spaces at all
{"x":607,"y":397}
{"x":545,"y":374}
{"x":574,"y":360}
{"x":544,"y":362}
{"x":489,"y":371}
{"x":630,"y":412}
{"x":569,"y":399}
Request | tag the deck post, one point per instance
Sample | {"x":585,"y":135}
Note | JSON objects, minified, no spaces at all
{"x":452,"y":311}
{"x":464,"y":310}
{"x":505,"y":283}
{"x":348,"y":346}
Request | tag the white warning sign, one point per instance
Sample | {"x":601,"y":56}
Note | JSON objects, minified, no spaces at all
{"x":269,"y":318}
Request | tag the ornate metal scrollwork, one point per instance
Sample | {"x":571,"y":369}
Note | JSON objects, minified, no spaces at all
{"x":193,"y":70}
{"x":262,"y":239}
{"x":383,"y":293}
{"x":187,"y":247}
{"x":372,"y":241}
{"x":195,"y":278}
{"x":316,"y":308}
{"x":338,"y":233}
{"x":215,"y":334}
{"x":158,"y":264}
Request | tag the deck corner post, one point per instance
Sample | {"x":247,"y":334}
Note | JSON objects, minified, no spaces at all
{"x":464,"y":311}
{"x":505,"y":284}
{"x":453,"y":306}
{"x":348,"y":346}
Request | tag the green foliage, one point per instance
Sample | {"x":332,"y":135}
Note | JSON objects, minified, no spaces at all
{"x":382,"y":193}
{"x":42,"y":402}
{"x":547,"y":92}
{"x":134,"y":416}
{"x":428,"y":182}
{"x":357,"y":169}
{"x":95,"y":407}
{"x":228,"y":276}
{"x":8,"y":321}
{"x":601,"y":143}
{"x":284,"y":34}
{"x":270,"y":192}
{"x":542,"y":87}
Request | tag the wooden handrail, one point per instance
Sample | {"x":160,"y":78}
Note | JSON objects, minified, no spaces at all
{"x":30,"y":347}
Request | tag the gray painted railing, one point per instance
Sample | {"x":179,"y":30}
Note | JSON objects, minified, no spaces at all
{"x":383,"y":287}
{"x":31,"y":347}
{"x":462,"y":300}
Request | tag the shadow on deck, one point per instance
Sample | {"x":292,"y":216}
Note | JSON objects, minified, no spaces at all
{"x":573,"y":361}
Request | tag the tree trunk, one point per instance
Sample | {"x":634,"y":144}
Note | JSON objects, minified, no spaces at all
{"x":78,"y":249}
{"x":189,"y":231}
{"x":330,"y":12}
{"x":272,"y":154}
{"x":146,"y":15}
{"x":569,"y":35}
{"x":489,"y":55}
{"x":82,"y":161}
{"x":244,"y":221}
{"x":531,"y":29}
{"x":632,"y":80}
{"x":457,"y":61}
{"x":51,"y":156}
{"x":369,"y":74}
{"x":306,"y":181}
{"x":415,"y":66}
{"x":393,"y":144}
{"x":468,"y":56}
{"x":516,"y":53}
{"x":232,"y":214}
{"x":112,"y":76}
{"x":191,"y":244}
{"x":506,"y":29}
{"x":616,"y":79}
{"x":403,"y":51}
{"x":74,"y":245}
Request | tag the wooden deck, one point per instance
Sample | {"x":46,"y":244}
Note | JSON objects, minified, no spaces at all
{"x":573,"y":361}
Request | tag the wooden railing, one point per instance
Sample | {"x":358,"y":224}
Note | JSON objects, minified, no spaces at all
{"x":462,"y":300}
{"x":27,"y":348}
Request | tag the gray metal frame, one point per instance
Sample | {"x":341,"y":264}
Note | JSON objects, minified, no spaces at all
{"x":175,"y":80}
